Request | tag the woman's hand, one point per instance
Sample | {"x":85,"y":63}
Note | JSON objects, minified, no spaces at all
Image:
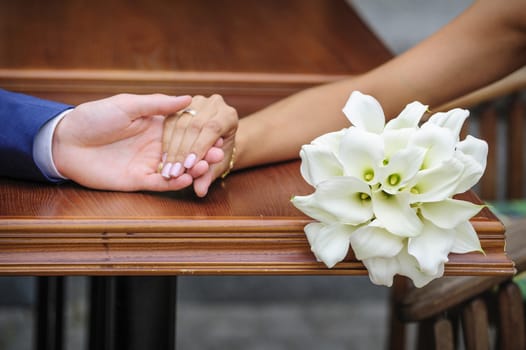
{"x":199,"y":141}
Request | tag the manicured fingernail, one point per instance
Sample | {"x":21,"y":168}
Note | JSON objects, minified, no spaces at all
{"x":176,"y":170}
{"x":166,"y":170}
{"x":164,"y":156}
{"x":189,"y":161}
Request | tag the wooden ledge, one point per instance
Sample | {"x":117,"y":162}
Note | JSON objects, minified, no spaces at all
{"x":246,"y":225}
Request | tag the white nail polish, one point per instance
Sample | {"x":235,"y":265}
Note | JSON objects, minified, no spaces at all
{"x":176,"y":170}
{"x":190,"y":161}
{"x":166,"y":170}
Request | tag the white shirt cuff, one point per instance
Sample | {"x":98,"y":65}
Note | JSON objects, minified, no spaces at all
{"x":42,"y":149}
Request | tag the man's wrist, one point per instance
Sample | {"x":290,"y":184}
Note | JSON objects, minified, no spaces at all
{"x":43,"y":149}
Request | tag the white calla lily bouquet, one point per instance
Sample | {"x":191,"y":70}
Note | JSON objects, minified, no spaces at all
{"x":386,"y":190}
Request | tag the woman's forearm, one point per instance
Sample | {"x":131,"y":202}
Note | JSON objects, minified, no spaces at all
{"x":484,"y":44}
{"x":277,"y":132}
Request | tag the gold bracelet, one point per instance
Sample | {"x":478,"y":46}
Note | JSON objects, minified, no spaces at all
{"x":231,"y":164}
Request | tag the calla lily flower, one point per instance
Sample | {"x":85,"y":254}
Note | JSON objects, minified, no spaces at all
{"x":382,"y":270}
{"x":331,"y":140}
{"x":329,"y":243}
{"x":449,"y":213}
{"x":408,"y":118}
{"x":401,"y":168}
{"x":386,"y":191}
{"x":439,"y":144}
{"x":319,"y":158}
{"x":436,"y":184}
{"x":396,"y":214}
{"x":472,"y":152}
{"x":345,"y":200}
{"x":466,"y":239}
{"x":452,"y":120}
{"x":361,"y":153}
{"x":318,"y":163}
{"x":395,"y":140}
{"x":365,"y":112}
{"x":373,"y":242}
{"x":431,"y":247}
{"x":409,"y":267}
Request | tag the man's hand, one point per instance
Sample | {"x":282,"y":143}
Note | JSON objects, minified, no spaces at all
{"x":115,"y":143}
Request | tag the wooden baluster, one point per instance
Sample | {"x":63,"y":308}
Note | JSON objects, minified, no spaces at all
{"x":511,"y":317}
{"x":50,"y":313}
{"x":133,"y":312}
{"x":443,"y":334}
{"x":436,"y":334}
{"x":102,"y":313}
{"x":515,"y":139}
{"x":475,"y":325}
{"x":488,"y":132}
{"x":397,"y":328}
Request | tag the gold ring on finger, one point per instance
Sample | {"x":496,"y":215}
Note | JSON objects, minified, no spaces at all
{"x":190,"y":111}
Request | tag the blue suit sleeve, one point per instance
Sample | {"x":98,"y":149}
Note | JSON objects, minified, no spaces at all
{"x":21,"y":117}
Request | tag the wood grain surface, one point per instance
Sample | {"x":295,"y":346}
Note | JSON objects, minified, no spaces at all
{"x":252,"y":52}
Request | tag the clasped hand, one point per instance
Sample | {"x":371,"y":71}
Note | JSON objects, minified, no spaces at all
{"x":142,"y":142}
